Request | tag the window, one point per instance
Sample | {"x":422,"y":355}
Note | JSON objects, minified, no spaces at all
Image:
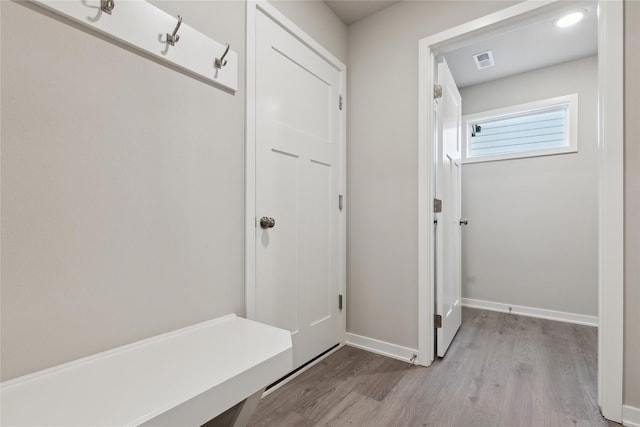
{"x":535,"y":129}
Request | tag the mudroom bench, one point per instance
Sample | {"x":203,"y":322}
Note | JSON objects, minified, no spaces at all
{"x":187,"y":377}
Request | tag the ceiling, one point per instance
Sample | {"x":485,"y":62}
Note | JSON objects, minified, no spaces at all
{"x":524,"y":46}
{"x":350,"y":11}
{"x":527,"y":46}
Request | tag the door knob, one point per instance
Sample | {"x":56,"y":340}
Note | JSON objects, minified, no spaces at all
{"x":464,"y":221}
{"x":266,"y":222}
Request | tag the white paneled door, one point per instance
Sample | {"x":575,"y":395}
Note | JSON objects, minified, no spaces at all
{"x":297,"y":185}
{"x":448,"y":235}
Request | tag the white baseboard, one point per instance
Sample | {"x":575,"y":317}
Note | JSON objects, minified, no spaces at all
{"x":630,"y":416}
{"x":382,"y":347}
{"x":540,"y":313}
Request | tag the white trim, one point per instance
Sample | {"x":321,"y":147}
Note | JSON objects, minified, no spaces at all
{"x":301,"y":371}
{"x":540,"y":313}
{"x":611,"y":284}
{"x":569,"y":103}
{"x":250,"y":149}
{"x":485,"y":21}
{"x":630,"y":416}
{"x":382,"y":348}
{"x":299,"y":33}
{"x":426,"y":235}
{"x":250,"y":165}
{"x":611,"y":218}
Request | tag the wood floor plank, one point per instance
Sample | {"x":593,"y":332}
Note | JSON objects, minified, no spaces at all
{"x":487,"y":392}
{"x":332,"y":390}
{"x":378,"y":382}
{"x":354,"y":409}
{"x":460,"y":384}
{"x":501,"y":370}
{"x":524,"y":403}
{"x":310,"y":385}
{"x":564,"y":404}
{"x":586,"y":363}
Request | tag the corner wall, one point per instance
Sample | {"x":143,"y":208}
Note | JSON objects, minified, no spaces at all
{"x":532,"y":238}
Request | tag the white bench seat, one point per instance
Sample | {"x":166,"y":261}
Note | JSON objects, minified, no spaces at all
{"x":185,"y":377}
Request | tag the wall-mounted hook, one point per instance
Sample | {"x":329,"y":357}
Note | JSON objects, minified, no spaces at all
{"x":107,"y":6}
{"x":172,"y":39}
{"x":221,"y":62}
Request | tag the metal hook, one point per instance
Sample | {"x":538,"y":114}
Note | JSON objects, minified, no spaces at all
{"x":172,"y":39}
{"x":221,"y":62}
{"x":107,"y":6}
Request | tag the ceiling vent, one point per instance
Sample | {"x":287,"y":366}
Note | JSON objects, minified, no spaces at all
{"x":484,"y":60}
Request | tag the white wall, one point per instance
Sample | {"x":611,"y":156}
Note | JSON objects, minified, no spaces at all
{"x":382,"y":168}
{"x":532,"y":238}
{"x":122,"y":185}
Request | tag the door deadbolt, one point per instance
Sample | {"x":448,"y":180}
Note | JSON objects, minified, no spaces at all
{"x":266,"y":222}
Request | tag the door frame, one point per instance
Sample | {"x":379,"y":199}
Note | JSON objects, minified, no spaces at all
{"x":610,"y":201}
{"x":254,"y":7}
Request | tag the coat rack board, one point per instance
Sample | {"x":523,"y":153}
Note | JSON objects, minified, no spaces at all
{"x":145,"y":27}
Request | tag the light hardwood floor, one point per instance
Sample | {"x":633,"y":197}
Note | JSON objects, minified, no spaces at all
{"x":501,"y":370}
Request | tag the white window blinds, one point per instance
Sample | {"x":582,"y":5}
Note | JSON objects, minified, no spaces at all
{"x":545,"y":127}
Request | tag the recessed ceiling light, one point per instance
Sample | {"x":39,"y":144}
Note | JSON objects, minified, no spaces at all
{"x":570,"y":18}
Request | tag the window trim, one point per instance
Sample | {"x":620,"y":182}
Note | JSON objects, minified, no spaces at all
{"x":518,"y":110}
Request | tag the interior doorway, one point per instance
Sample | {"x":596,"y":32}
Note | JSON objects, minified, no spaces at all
{"x":610,"y":204}
{"x":527,"y":145}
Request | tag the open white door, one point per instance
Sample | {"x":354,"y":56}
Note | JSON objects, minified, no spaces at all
{"x":297,"y":184}
{"x":448,"y":221}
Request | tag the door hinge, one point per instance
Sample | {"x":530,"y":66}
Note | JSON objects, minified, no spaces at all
{"x":340,"y":202}
{"x":437,"y":91}
{"x":437,"y":321}
{"x":437,"y":205}
{"x":340,"y":102}
{"x":340,"y":302}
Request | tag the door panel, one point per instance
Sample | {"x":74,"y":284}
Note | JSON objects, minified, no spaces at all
{"x":448,"y":236}
{"x":316,"y":267}
{"x":297,"y":183}
{"x":279,"y":263}
{"x":293,"y":91}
